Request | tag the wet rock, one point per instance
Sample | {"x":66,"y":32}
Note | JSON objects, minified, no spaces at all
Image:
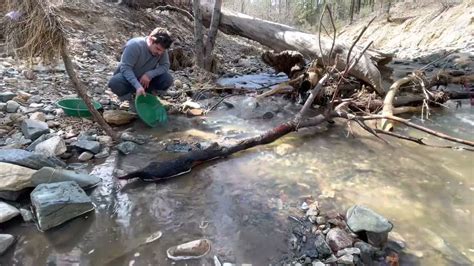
{"x":51,"y":147}
{"x":139,"y":139}
{"x":7,"y":212}
{"x":85,"y":156}
{"x":350,"y":251}
{"x":12,"y":106}
{"x":26,"y":215}
{"x":39,"y":116}
{"x":118,"y":117}
{"x":338,"y":239}
{"x":57,"y":203}
{"x":396,"y":242}
{"x":88,"y":145}
{"x":6,"y":96}
{"x":52,"y":175}
{"x":14,"y":177}
{"x":190,"y":250}
{"x":29,"y":159}
{"x":13,"y":195}
{"x":33,"y":129}
{"x":103,"y":154}
{"x":126,"y":147}
{"x":6,"y":241}
{"x":322,"y":247}
{"x":346,"y":260}
{"x":3,"y":107}
{"x":364,"y":221}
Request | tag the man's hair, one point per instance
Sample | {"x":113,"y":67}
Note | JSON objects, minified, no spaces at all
{"x":161,"y":36}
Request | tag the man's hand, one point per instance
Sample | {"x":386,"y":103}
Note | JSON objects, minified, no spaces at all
{"x":145,"y":81}
{"x":141,"y":91}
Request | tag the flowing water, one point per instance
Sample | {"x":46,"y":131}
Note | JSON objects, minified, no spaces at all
{"x":241,"y":203}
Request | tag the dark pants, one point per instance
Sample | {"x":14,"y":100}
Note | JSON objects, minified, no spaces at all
{"x":120,"y":86}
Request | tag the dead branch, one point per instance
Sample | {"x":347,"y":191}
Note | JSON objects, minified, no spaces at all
{"x":177,"y":10}
{"x":388,"y":101}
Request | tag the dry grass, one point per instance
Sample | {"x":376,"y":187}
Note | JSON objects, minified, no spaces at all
{"x":37,"y":33}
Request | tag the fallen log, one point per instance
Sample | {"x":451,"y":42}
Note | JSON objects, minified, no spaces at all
{"x":281,"y":37}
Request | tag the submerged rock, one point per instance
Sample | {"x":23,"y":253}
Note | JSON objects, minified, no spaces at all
{"x":7,"y":212}
{"x":126,"y":147}
{"x":29,"y":159}
{"x":57,"y":203}
{"x":6,"y":241}
{"x":190,"y":250}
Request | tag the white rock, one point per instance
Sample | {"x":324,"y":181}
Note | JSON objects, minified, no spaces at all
{"x":51,"y":147}
{"x":12,"y":106}
{"x":39,"y":116}
{"x":85,"y":156}
{"x":14,"y":177}
{"x":5,"y":242}
{"x":7,"y":212}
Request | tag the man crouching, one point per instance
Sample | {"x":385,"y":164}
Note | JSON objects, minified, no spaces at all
{"x":143,"y":67}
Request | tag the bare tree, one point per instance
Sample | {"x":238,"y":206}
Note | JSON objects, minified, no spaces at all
{"x":204,"y":56}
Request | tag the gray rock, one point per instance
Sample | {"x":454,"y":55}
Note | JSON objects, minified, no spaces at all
{"x":346,"y":259}
{"x":320,"y":220}
{"x":12,"y":106}
{"x":126,"y":147}
{"x":322,"y":247}
{"x":13,"y":195}
{"x":35,"y":99}
{"x":317,"y":263}
{"x":85,"y":156}
{"x":105,"y":140}
{"x":88,"y":145}
{"x":26,"y":215}
{"x":29,"y":159}
{"x":3,"y":107}
{"x":57,"y":203}
{"x":33,"y":129}
{"x":350,"y":251}
{"x":5,"y":242}
{"x":360,"y":218}
{"x":37,"y":141}
{"x":338,"y":239}
{"x":367,"y":252}
{"x":103,"y":154}
{"x":51,"y":147}
{"x":7,"y":212}
{"x":6,"y":96}
{"x":53,"y":175}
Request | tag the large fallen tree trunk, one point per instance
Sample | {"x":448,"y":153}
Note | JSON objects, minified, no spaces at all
{"x":282,"y":37}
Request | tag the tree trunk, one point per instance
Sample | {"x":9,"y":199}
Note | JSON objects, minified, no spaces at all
{"x":82,"y":92}
{"x":282,"y":37}
{"x":352,"y":11}
{"x":211,"y":37}
{"x":198,"y":34}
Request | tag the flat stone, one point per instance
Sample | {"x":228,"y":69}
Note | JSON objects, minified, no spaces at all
{"x":7,"y":212}
{"x":51,"y":147}
{"x":350,"y":251}
{"x":33,"y":129}
{"x":6,"y":241}
{"x":6,"y":96}
{"x":88,"y":145}
{"x":12,"y":106}
{"x":346,"y":260}
{"x":53,"y":175}
{"x":360,"y":218}
{"x":29,"y":159}
{"x":85,"y":156}
{"x":38,"y":116}
{"x":338,"y":239}
{"x":103,"y":154}
{"x":57,"y":203}
{"x":126,"y":147}
{"x":14,"y":177}
{"x":139,"y":139}
{"x":322,"y":247}
{"x":190,"y":250}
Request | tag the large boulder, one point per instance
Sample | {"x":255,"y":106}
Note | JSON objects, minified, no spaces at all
{"x":51,"y":147}
{"x":371,"y":225}
{"x":5,"y":242}
{"x":52,"y":175}
{"x":7,"y":212}
{"x":32,"y":129}
{"x":14,"y":177}
{"x":59,"y":202}
{"x":29,"y":159}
